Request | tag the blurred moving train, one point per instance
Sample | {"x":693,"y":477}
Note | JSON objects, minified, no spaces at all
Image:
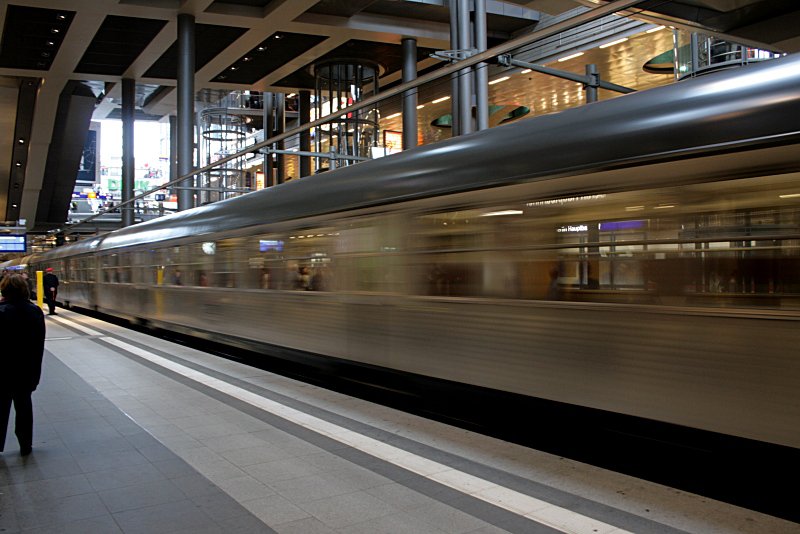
{"x":639,"y":255}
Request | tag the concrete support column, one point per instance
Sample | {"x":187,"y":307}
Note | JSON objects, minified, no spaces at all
{"x":186,"y":61}
{"x":128,"y":163}
{"x":304,"y":111}
{"x":26,"y":102}
{"x":481,"y":69}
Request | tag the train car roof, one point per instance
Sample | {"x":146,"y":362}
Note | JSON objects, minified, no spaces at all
{"x":756,"y":105}
{"x":88,"y":245}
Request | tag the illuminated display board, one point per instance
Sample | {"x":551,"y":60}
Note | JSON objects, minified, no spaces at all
{"x":12,"y":243}
{"x":265,"y":245}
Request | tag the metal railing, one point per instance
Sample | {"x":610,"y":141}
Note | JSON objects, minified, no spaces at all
{"x":387,"y":93}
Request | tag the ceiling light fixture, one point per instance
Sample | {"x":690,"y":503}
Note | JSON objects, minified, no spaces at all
{"x":790,"y":195}
{"x":502,"y":212}
{"x":571,"y":56}
{"x":393,"y":115}
{"x":612,"y":43}
{"x":653,"y":30}
{"x":498,"y":80}
{"x":526,"y":71}
{"x":440,"y":100}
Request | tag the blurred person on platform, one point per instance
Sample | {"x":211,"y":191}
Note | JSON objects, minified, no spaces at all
{"x":50,"y":283}
{"x":31,"y":285}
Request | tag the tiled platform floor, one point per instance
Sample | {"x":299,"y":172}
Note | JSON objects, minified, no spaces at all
{"x":134,"y":434}
{"x":94,"y":470}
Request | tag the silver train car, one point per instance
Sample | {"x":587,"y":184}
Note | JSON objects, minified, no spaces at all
{"x":639,"y":256}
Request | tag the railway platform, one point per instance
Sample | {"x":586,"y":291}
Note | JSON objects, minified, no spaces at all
{"x":136,"y":434}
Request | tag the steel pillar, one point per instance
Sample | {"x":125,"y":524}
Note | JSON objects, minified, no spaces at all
{"x":173,"y":147}
{"x":280,"y":127}
{"x":455,"y":123}
{"x":186,"y":61}
{"x":481,"y":69}
{"x":128,"y":163}
{"x":464,"y":75}
{"x":409,"y":46}
{"x":304,"y":112}
{"x":269,"y":131}
{"x":592,"y":85}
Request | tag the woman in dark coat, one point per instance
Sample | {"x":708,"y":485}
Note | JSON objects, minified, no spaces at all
{"x":22,"y":331}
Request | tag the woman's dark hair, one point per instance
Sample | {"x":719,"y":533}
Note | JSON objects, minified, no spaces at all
{"x":14,"y":287}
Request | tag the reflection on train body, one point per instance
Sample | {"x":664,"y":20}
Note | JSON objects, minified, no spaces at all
{"x":721,"y":244}
{"x":732,"y":243}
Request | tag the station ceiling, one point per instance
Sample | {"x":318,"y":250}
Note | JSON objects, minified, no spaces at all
{"x":81,"y":49}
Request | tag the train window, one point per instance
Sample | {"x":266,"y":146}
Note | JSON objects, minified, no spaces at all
{"x":75,"y":270}
{"x":146,"y":266}
{"x":114,"y":269}
{"x":123,"y":272}
{"x":227,"y":266}
{"x":85,"y":269}
{"x":203,"y":264}
{"x":174,"y":261}
{"x":369,"y":254}
{"x":108,"y":265}
{"x":190,"y":262}
{"x":469,"y":252}
{"x":265,"y":269}
{"x":69,"y":269}
{"x":732,"y":243}
{"x":298,"y":260}
{"x":307,"y":260}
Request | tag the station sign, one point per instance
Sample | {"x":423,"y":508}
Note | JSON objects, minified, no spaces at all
{"x":13,"y":243}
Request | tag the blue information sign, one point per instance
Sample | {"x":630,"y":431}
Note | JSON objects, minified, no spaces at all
{"x":12,"y":243}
